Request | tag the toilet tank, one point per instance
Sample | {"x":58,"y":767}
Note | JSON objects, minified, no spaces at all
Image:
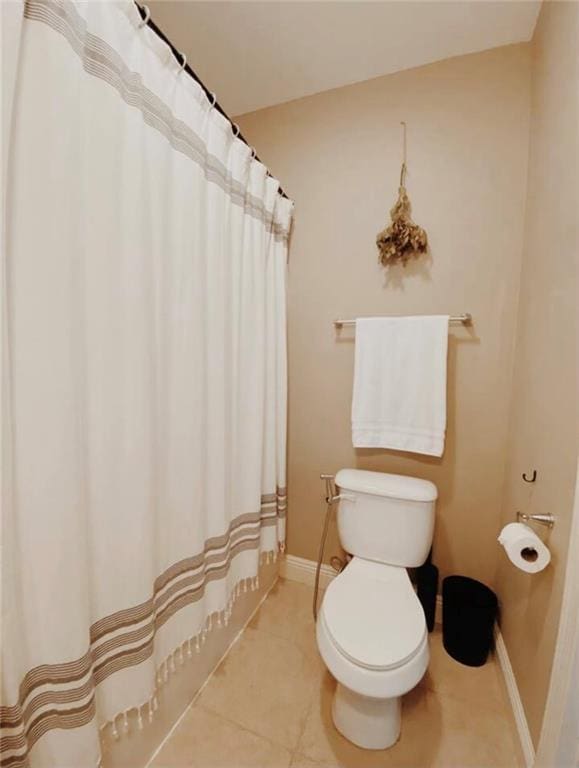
{"x":386,"y":518}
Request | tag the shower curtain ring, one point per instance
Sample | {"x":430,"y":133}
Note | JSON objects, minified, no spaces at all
{"x":183,"y":62}
{"x":253,"y":154}
{"x":145,"y":21}
{"x":235,"y":128}
{"x":213,"y":100}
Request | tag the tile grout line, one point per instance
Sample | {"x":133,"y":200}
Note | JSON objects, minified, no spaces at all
{"x":210,"y":675}
{"x":304,"y":725}
{"x":291,"y":750}
{"x":243,"y":727}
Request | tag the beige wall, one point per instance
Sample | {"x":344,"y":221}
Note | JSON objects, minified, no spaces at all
{"x":338,"y":154}
{"x":544,"y":415}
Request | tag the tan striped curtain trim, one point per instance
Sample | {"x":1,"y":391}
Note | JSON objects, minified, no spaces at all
{"x":71,"y":718}
{"x":100,"y":60}
{"x":274,"y":504}
{"x":123,"y":639}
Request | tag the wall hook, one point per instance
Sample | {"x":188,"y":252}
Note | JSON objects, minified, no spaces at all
{"x":530,"y":479}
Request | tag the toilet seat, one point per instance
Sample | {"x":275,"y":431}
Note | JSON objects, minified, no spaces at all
{"x":373,"y":617}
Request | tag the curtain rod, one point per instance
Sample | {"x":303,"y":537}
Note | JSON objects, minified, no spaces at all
{"x":146,"y":17}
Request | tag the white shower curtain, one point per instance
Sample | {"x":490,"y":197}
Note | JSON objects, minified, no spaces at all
{"x":145,"y":386}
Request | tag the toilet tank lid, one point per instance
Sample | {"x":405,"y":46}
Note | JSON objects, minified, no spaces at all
{"x":383,"y":484}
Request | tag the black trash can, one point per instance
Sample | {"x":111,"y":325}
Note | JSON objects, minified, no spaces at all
{"x":469,"y":611}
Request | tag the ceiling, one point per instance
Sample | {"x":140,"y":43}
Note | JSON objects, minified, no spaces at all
{"x":256,"y":54}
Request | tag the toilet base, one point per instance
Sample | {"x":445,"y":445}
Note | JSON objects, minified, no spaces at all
{"x":368,"y":723}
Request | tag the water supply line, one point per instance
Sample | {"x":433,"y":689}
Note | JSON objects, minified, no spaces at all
{"x":331,"y":498}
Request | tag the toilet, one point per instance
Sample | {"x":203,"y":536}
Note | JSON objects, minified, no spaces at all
{"x":371,"y":629}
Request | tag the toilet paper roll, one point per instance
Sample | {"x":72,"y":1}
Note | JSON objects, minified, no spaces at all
{"x":524,"y":548}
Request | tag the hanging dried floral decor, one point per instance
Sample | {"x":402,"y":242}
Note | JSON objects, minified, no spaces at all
{"x":403,"y":239}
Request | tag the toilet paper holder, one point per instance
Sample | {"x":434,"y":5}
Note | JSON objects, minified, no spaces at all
{"x":548,"y":520}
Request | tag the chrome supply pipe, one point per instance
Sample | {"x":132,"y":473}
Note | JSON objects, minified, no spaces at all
{"x":331,"y":498}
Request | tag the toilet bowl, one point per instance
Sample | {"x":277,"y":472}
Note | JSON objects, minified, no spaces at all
{"x":371,"y":629}
{"x":372,"y":636}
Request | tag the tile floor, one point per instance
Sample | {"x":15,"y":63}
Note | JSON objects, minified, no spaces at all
{"x":268,"y":706}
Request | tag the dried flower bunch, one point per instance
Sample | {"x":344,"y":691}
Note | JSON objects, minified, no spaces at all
{"x":403,"y":239}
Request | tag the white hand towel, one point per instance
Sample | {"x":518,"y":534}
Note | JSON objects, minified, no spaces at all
{"x":400,"y":383}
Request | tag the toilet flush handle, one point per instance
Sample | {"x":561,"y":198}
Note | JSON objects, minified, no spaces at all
{"x":331,"y":496}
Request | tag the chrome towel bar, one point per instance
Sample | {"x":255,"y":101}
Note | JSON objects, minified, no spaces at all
{"x":465,"y":319}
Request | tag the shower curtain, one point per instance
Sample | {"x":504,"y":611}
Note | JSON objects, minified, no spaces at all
{"x":144,"y":379}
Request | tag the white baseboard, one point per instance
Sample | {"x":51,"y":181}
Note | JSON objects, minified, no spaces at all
{"x":515,"y":699}
{"x":302,"y":570}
